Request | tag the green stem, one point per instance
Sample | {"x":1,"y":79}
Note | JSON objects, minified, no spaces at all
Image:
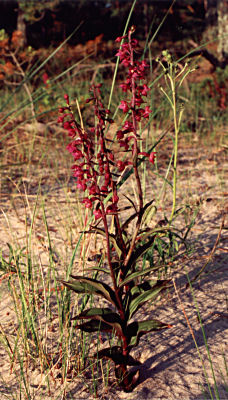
{"x":118,"y":59}
{"x":176,"y":128}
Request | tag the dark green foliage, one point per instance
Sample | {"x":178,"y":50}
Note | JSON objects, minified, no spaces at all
{"x":134,"y":289}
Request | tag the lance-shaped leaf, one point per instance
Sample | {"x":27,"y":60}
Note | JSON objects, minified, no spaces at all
{"x":148,"y":294}
{"x":139,"y":251}
{"x":133,"y":216}
{"x":115,"y":354}
{"x":105,"y":315}
{"x":106,"y":271}
{"x":135,"y":275}
{"x":135,"y":291}
{"x":91,"y":286}
{"x":136,"y":330}
{"x":144,"y":235}
{"x":94,"y":326}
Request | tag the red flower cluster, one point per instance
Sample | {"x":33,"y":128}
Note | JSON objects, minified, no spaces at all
{"x":134,"y":85}
{"x":94,"y":161}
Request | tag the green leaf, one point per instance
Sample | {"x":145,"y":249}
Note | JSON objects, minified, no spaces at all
{"x":106,"y":271}
{"x":91,"y":286}
{"x":127,"y":222}
{"x":136,"y":291}
{"x":152,"y":232}
{"x":94,"y":326}
{"x":136,"y":274}
{"x":105,"y":315}
{"x":139,"y":251}
{"x":115,"y":354}
{"x":148,"y":294}
{"x":136,"y":330}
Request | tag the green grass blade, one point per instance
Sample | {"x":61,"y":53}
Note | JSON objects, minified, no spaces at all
{"x":161,"y":23}
{"x":118,"y":59}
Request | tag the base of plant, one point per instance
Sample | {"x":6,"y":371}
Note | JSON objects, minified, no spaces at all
{"x":127,"y":380}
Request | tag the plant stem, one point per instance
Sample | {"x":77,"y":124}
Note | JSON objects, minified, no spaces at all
{"x":116,"y":290}
{"x":176,"y":128}
{"x":25,"y":84}
{"x":134,"y":155}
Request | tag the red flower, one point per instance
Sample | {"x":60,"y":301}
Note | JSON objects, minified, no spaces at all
{"x":62,"y":110}
{"x":147,"y":112}
{"x":134,"y":42}
{"x":66,"y":97}
{"x":123,"y":143}
{"x":104,"y":189}
{"x":121,"y":54}
{"x":124,"y":86}
{"x":152,"y":156}
{"x":81,"y":185}
{"x":60,"y":120}
{"x":120,"y":165}
{"x":45,"y":79}
{"x":143,"y":65}
{"x":124,"y":106}
{"x":92,"y":189}
{"x":97,"y":213}
{"x":125,"y":62}
{"x":128,"y":126}
{"x":111,"y":157}
{"x":119,"y":135}
{"x":88,"y":203}
{"x":144,"y":90}
{"x":138,"y":114}
{"x":138,"y":101}
{"x":118,"y":39}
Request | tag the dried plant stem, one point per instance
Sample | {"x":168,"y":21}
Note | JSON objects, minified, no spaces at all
{"x":25,"y":85}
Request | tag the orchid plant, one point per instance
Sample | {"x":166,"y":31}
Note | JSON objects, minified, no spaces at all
{"x":97,"y":169}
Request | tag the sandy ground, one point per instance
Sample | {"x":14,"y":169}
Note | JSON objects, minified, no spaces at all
{"x":171,"y":365}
